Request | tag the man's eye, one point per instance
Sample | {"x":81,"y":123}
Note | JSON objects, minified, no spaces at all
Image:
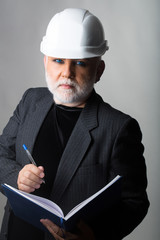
{"x":81,"y":63}
{"x":58,"y":60}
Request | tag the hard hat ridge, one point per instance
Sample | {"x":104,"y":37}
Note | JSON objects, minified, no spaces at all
{"x":74,"y":33}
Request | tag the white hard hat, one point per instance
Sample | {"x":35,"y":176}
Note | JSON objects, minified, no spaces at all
{"x":74,"y":34}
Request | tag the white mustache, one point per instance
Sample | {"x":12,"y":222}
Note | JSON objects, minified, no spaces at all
{"x":66,"y":82}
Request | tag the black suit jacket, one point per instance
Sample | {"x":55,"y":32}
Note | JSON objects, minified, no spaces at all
{"x":105,"y":142}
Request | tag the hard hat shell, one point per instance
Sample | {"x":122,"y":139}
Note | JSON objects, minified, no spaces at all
{"x":74,"y":34}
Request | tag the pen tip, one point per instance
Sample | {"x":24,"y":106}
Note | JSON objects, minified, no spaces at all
{"x":24,"y":146}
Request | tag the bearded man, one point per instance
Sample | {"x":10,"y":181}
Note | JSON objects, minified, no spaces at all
{"x":79,"y":142}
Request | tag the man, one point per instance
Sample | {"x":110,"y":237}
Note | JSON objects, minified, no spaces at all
{"x":79,"y":142}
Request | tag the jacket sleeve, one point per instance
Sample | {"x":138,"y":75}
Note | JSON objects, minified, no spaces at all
{"x":9,"y":168}
{"x":126,"y":160}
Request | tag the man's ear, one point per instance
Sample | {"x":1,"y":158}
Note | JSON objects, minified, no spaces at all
{"x":45,"y":61}
{"x":100,"y":70}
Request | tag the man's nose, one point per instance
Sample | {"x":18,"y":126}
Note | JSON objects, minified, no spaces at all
{"x":68,"y":70}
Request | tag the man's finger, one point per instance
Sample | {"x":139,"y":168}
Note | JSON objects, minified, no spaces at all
{"x":56,"y":231}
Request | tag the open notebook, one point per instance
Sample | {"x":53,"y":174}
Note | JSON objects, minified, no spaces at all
{"x":32,"y":208}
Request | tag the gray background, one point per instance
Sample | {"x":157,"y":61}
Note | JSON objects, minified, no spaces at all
{"x":130,"y":82}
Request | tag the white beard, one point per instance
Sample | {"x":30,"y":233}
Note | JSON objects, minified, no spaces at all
{"x":76,"y":94}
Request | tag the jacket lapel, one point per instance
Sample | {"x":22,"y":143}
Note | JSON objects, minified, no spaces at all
{"x":36,"y":118}
{"x":76,"y":148}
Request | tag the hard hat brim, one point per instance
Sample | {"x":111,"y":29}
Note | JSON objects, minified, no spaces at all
{"x":80,"y":53}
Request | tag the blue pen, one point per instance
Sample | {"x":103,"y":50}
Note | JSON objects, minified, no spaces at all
{"x":30,"y":158}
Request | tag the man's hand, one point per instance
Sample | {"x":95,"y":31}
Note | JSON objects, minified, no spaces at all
{"x":85,"y":232}
{"x":30,"y":178}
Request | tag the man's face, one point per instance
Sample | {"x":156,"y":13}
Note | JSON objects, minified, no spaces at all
{"x":72,"y":80}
